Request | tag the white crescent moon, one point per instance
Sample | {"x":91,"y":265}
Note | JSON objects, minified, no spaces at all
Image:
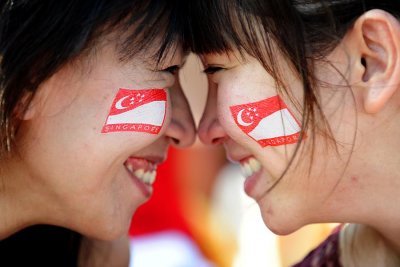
{"x":240,"y":120}
{"x":118,"y":105}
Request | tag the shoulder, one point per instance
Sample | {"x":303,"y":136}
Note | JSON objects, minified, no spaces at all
{"x":326,"y":254}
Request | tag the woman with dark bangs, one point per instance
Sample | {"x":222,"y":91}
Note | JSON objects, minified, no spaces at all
{"x":305,"y":96}
{"x":89,"y":104}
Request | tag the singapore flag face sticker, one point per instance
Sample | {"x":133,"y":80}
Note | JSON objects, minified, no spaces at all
{"x":137,"y":111}
{"x":269,"y":122}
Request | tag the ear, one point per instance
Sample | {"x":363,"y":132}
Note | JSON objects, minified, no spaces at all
{"x":377,"y":34}
{"x":25,"y":109}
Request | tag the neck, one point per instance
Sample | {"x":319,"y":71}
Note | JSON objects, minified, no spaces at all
{"x":385,"y":212}
{"x":375,"y":240}
{"x":11,"y":218}
{"x":376,"y":199}
{"x":18,"y":200}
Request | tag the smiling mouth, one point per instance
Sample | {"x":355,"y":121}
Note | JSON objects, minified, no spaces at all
{"x":250,"y":166}
{"x":144,"y":170}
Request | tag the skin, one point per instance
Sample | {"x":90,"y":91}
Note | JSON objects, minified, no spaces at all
{"x":354,"y":181}
{"x":65,"y":171}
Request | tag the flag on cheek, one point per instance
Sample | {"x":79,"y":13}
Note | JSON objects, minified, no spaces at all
{"x":137,"y":111}
{"x":269,"y":122}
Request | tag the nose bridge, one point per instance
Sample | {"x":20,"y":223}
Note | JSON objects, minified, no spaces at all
{"x":181,"y":129}
{"x":211,"y":131}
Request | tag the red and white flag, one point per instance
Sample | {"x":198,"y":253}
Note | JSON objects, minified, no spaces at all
{"x":137,"y":111}
{"x":269,"y":122}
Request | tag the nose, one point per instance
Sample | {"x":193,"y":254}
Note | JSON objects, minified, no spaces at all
{"x":181,"y":130}
{"x":210,"y":130}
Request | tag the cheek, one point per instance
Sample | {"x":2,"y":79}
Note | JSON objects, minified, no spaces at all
{"x":225,"y":117}
{"x":137,"y":110}
{"x":266,"y":122}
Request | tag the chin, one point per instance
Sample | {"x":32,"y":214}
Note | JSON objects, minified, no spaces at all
{"x":112,"y":233}
{"x":281,"y":225}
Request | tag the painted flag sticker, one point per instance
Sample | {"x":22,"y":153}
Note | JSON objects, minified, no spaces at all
{"x":137,"y":111}
{"x":269,"y":122}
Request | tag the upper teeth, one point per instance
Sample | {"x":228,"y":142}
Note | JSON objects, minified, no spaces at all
{"x":146,"y":176}
{"x":250,"y":167}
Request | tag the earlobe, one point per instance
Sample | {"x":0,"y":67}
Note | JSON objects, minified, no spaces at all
{"x":379,"y":34}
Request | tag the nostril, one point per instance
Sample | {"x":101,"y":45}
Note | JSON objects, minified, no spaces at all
{"x":175,"y":141}
{"x":217,"y":141}
{"x":211,"y":133}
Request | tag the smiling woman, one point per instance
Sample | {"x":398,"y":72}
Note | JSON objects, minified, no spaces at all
{"x":89,"y":105}
{"x":326,"y":152}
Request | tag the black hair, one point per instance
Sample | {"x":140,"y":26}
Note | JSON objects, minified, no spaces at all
{"x":304,"y":31}
{"x":38,"y":37}
{"x":41,"y":245}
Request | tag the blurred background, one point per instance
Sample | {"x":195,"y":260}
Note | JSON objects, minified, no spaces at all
{"x":199,"y":215}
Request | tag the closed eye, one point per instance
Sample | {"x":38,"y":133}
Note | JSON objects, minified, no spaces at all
{"x":212,"y":69}
{"x":172,"y":69}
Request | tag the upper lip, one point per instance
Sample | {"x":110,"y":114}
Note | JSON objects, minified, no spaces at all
{"x":237,"y":158}
{"x":156,"y":160}
{"x":235,"y":152}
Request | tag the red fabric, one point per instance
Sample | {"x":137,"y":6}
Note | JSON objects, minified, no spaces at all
{"x":164,"y":209}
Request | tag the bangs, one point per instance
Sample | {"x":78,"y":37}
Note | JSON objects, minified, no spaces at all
{"x":258,"y":28}
{"x":225,"y":28}
{"x":262,"y":29}
{"x":233,"y":25}
{"x":154,"y":22}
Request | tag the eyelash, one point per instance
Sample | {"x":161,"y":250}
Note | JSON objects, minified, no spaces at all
{"x":212,"y":70}
{"x":172,"y":69}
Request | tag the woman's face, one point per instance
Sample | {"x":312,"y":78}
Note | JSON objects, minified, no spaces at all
{"x":260,"y":128}
{"x":94,"y":134}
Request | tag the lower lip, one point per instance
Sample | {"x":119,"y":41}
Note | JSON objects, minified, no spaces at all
{"x":250,"y":184}
{"x":144,"y":188}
